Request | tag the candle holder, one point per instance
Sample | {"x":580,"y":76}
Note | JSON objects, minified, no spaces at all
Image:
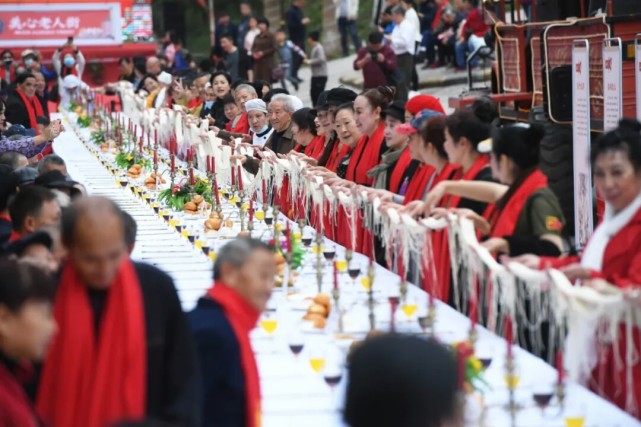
{"x":172,"y":171}
{"x":336,"y":294}
{"x":431,"y":318}
{"x":510,"y":371}
{"x":319,"y":261}
{"x":560,"y":394}
{"x":275,"y":225}
{"x":403,"y":289}
{"x":301,"y":225}
{"x":472,"y":335}
{"x":349,"y":254}
{"x":370,"y":297}
{"x":241,"y":214}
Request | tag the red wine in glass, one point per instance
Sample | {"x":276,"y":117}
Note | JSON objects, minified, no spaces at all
{"x":485,"y":361}
{"x":191,"y":238}
{"x":332,"y":380}
{"x":156,"y":209}
{"x":354,"y":273}
{"x":206,"y":250}
{"x":179,"y":228}
{"x":123,"y":183}
{"x":269,"y":220}
{"x":329,"y":255}
{"x":296,"y":348}
{"x":307,"y":241}
{"x":542,"y":399}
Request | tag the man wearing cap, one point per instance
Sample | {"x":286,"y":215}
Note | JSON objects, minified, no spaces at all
{"x":8,"y":188}
{"x":55,"y":180}
{"x":32,"y":208}
{"x":259,"y":127}
{"x":35,"y":248}
{"x":22,"y":105}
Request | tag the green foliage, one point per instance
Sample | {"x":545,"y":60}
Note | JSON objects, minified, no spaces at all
{"x":98,"y":137}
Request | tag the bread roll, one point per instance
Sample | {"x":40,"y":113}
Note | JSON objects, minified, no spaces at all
{"x":191,"y":206}
{"x":197,"y":199}
{"x":322,"y":299}
{"x":318,"y":320}
{"x":317,"y":309}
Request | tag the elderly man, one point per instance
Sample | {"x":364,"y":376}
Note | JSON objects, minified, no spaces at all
{"x":33,"y":208}
{"x":259,"y":127}
{"x":402,"y":40}
{"x":125,"y":335}
{"x":23,"y":106}
{"x":52,"y":162}
{"x":153,"y":66}
{"x":280,"y":112}
{"x":221,"y":322}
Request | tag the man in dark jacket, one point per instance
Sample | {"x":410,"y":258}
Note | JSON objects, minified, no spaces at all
{"x":125,"y":335}
{"x":280,"y":112}
{"x":297,"y":28}
{"x":221,"y":322}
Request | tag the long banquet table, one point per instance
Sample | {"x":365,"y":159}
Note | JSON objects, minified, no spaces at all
{"x":293,"y":395}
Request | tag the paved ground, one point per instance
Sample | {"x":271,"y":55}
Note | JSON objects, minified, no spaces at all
{"x":442,"y":83}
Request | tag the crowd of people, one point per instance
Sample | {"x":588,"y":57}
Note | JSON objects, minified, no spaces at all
{"x":89,"y":337}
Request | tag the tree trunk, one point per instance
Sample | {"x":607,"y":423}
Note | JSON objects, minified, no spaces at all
{"x":274,"y":12}
{"x":331,"y":37}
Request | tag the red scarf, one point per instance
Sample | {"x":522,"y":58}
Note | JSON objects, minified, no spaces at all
{"x":242,"y":126}
{"x":16,"y":409}
{"x":34,"y":109}
{"x":479,"y":164}
{"x":440,"y":239}
{"x":243,"y":318}
{"x":367,"y":154}
{"x":316,"y":147}
{"x":334,"y":160}
{"x":195,"y":103}
{"x":89,"y":382}
{"x":15,"y":236}
{"x":300,"y":148}
{"x":12,"y":74}
{"x":438,"y":14}
{"x":418,"y":181}
{"x":396,"y":179}
{"x":507,"y":218}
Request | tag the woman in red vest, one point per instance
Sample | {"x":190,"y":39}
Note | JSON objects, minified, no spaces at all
{"x":26,"y":327}
{"x":613,"y":253}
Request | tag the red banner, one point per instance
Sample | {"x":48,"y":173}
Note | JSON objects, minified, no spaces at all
{"x":51,"y":24}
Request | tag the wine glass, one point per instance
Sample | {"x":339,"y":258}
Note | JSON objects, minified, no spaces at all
{"x":307,"y":240}
{"x":409,"y":306}
{"x":296,"y":342}
{"x":366,"y":283}
{"x":332,"y":374}
{"x":512,"y":379}
{"x":354,"y":271}
{"x":269,"y":323}
{"x":542,"y":394}
{"x":574,"y":413}
{"x":317,"y":359}
{"x":484,"y":353}
{"x":329,"y":253}
{"x":269,"y":220}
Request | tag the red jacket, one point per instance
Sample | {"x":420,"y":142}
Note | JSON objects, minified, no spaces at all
{"x":475,"y":24}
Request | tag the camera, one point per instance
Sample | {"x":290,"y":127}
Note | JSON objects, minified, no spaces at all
{"x":373,"y":55}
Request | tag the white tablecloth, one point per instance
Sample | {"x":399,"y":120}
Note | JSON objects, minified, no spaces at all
{"x":293,"y":395}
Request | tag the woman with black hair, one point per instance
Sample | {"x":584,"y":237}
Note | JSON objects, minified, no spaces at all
{"x":26,"y":327}
{"x":390,"y":384}
{"x":527,"y":216}
{"x":305,"y":133}
{"x":221,"y":85}
{"x":613,"y":254}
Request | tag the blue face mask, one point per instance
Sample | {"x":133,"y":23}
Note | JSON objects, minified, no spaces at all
{"x":209,"y":104}
{"x":69,"y":62}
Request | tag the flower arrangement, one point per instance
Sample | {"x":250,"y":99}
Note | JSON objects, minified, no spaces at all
{"x":126,"y":160}
{"x":470,"y":368}
{"x":83,"y":120}
{"x":98,"y":137}
{"x":298,"y":251}
{"x":180,"y":194}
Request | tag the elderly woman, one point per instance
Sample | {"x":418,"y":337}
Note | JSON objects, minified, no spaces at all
{"x":259,"y":127}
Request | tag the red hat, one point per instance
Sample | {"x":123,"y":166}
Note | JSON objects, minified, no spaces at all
{"x":424,"y":102}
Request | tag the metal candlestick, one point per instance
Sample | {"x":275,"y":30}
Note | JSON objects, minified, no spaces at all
{"x":336,"y":294}
{"x":172,"y":172}
{"x":560,"y":394}
{"x":348,"y":256}
{"x":241,"y":215}
{"x":319,"y":261}
{"x":403,"y":289}
{"x":301,"y":225}
{"x":431,"y":318}
{"x":370,"y":297}
{"x":275,"y":225}
{"x":509,"y":373}
{"x":472,"y":335}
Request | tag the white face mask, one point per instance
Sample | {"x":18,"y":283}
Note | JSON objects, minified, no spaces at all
{"x":28,"y":62}
{"x":209,"y":104}
{"x":69,"y":62}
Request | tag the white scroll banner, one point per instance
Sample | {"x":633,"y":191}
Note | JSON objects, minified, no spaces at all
{"x":581,"y":142}
{"x":612,"y":83}
{"x":637,"y":72}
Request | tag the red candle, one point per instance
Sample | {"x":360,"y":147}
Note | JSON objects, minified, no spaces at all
{"x":288,"y":238}
{"x":509,"y":334}
{"x":233,"y":176}
{"x":559,"y":367}
{"x":140,"y":142}
{"x":264,"y":191}
{"x":392,"y":308}
{"x":213,"y":164}
{"x":155,"y":157}
{"x":156,"y":136}
{"x":192,"y":181}
{"x":240,"y":179}
{"x":474,"y":303}
{"x":215,"y":190}
{"x":251,"y":210}
{"x":173,"y":162}
{"x":335,"y":275}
